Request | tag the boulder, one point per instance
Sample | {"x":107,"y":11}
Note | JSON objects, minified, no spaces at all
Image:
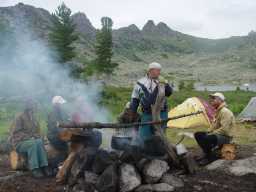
{"x":154,"y":170}
{"x":141,"y":164}
{"x":162,"y":187}
{"x":236,"y":167}
{"x":107,"y":182}
{"x":82,"y":186}
{"x":172,"y":180}
{"x":218,"y":165}
{"x":243,"y":166}
{"x":90,"y":177}
{"x":102,"y":161}
{"x":144,"y":188}
{"x":129,"y":178}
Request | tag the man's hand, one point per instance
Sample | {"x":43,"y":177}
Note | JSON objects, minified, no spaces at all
{"x":128,"y":116}
{"x":162,"y":80}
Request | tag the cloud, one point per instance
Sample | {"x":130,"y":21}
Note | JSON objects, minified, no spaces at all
{"x":206,"y":18}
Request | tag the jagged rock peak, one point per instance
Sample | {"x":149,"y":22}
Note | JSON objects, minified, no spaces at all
{"x":163,"y":26}
{"x":133,"y":27}
{"x":83,"y":24}
{"x":149,"y":26}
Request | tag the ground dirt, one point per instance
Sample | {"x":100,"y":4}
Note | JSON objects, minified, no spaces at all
{"x":204,"y":181}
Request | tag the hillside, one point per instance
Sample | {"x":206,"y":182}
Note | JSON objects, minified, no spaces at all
{"x":184,"y":56}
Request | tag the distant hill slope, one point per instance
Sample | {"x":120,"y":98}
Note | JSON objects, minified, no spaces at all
{"x":185,"y":57}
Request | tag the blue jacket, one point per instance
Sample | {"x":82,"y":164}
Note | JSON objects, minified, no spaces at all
{"x":145,"y":93}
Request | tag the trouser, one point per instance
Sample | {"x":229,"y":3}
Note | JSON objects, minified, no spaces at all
{"x":35,"y":153}
{"x":58,"y":144}
{"x":147,"y":131}
{"x":209,"y":141}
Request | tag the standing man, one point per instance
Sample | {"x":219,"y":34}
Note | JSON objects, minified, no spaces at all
{"x":220,"y":131}
{"x":145,"y":93}
{"x":25,"y":138}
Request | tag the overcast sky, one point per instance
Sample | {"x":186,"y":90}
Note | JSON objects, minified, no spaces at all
{"x":203,"y":18}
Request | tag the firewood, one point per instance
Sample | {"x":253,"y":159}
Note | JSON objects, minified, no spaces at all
{"x":98,"y":125}
{"x":83,"y":161}
{"x":156,"y":110}
{"x":17,"y":161}
{"x":63,"y":171}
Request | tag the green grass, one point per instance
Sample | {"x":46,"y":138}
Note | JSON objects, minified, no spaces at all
{"x":115,"y":98}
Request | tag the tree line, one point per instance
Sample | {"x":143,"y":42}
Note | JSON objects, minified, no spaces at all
{"x":63,"y":37}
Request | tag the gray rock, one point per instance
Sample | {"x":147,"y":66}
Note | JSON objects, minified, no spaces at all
{"x":108,"y":180}
{"x":90,"y":177}
{"x":154,"y":170}
{"x":129,"y":178}
{"x":219,"y":164}
{"x":140,"y":164}
{"x":243,"y":166}
{"x":144,"y":188}
{"x":197,"y":187}
{"x":162,"y":187}
{"x":236,"y":167}
{"x":172,"y":180}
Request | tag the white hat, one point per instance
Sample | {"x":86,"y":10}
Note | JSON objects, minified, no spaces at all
{"x":219,"y":95}
{"x":154,"y":65}
{"x":58,"y":100}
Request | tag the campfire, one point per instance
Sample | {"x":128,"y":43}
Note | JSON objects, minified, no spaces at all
{"x":131,"y":169}
{"x":150,"y":167}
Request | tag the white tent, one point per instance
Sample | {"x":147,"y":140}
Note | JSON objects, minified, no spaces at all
{"x":249,"y":112}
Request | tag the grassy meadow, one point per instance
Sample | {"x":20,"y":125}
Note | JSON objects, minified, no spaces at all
{"x":115,"y":98}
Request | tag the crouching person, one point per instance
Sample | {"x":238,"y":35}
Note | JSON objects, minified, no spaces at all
{"x":220,"y":132}
{"x":25,"y":139}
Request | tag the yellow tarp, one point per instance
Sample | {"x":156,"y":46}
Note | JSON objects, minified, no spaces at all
{"x":189,"y":106}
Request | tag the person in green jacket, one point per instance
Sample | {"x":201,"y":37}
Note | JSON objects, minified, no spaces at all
{"x":25,"y":139}
{"x":221,"y":130}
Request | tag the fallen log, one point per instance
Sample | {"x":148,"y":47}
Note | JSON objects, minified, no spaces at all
{"x":99,"y":125}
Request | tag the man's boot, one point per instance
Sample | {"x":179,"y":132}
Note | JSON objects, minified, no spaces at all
{"x":37,"y":173}
{"x":48,"y":171}
{"x":209,"y":158}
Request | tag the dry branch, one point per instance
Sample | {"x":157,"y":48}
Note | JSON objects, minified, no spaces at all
{"x":99,"y":125}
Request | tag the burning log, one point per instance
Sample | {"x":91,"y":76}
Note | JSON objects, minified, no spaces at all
{"x":98,"y":125}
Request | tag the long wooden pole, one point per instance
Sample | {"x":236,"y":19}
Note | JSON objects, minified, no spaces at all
{"x":156,"y":111}
{"x":99,"y":125}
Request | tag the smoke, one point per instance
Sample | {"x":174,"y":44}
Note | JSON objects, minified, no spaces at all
{"x":28,"y":68}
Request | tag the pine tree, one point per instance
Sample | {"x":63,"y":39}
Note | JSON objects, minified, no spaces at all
{"x":7,"y":41}
{"x":62,"y":35}
{"x":104,"y":45}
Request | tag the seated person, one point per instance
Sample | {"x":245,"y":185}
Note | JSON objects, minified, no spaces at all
{"x":25,"y":139}
{"x":57,"y":115}
{"x":220,"y":131}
